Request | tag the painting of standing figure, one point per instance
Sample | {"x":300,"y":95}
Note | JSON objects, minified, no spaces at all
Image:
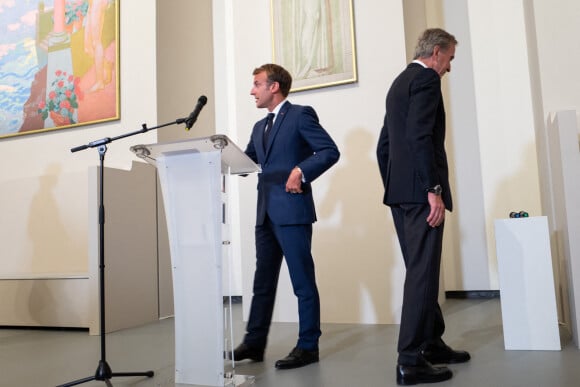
{"x":58,"y":64}
{"x":314,"y":40}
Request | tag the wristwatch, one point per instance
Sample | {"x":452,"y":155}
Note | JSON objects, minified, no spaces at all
{"x":436,"y":190}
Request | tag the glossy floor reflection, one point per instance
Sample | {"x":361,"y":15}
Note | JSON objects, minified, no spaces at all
{"x":350,"y":355}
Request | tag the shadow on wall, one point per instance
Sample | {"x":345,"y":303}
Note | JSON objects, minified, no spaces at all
{"x":55,"y":250}
{"x":357,"y":257}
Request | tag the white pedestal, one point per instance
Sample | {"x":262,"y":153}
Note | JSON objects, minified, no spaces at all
{"x":528,"y":300}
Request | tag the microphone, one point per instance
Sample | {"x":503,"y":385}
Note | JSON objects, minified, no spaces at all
{"x":189,"y":121}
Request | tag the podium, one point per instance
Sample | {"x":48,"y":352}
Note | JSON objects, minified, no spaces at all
{"x":526,"y":281}
{"x":192,"y":178}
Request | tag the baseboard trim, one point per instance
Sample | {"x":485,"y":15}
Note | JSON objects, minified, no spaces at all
{"x":460,"y":294}
{"x":39,"y":328}
{"x":472,"y":294}
{"x":235,"y":299}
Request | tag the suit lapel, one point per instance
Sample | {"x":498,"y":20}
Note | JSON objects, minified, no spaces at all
{"x":259,"y":137}
{"x":277,"y":124}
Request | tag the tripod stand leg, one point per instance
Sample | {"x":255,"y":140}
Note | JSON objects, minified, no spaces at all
{"x":104,"y":373}
{"x":149,"y":374}
{"x":80,"y":381}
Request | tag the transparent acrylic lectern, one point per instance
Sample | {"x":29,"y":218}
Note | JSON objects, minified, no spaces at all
{"x":191,"y":175}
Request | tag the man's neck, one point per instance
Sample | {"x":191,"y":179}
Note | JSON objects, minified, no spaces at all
{"x":278,"y":106}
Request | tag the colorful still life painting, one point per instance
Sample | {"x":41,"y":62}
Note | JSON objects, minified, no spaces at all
{"x":58,"y":64}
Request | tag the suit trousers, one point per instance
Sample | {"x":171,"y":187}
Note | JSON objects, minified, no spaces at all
{"x":293,"y":242}
{"x":422,"y":321}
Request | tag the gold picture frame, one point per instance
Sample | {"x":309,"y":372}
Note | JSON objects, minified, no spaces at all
{"x":59,"y":65}
{"x":314,"y":40}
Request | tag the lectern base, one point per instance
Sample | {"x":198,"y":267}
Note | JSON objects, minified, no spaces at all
{"x":233,"y":380}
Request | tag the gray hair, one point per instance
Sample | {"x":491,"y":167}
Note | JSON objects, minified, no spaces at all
{"x":433,"y":37}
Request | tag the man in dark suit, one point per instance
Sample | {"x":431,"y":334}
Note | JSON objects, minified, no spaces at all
{"x":293,"y":150}
{"x":413,"y":166}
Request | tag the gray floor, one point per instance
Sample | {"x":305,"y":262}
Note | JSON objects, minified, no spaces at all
{"x":351,"y":355}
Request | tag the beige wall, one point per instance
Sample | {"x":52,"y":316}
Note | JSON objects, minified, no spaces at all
{"x":49,"y":208}
{"x":511,"y":68}
{"x":493,"y":104}
{"x":557,"y":48}
{"x":504,"y":84}
{"x":505,"y":114}
{"x":356,"y":253}
{"x":166,"y":64}
{"x":184,"y":66}
{"x":184,"y":72}
{"x":466,"y":258}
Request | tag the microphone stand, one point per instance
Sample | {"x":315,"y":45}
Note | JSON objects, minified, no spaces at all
{"x":104,"y":372}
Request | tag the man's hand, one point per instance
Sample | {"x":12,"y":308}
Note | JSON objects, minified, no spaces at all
{"x":437,"y":213}
{"x":294,"y":182}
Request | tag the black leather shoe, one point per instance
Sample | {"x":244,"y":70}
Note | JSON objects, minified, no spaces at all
{"x":444,"y":355}
{"x":425,"y":373}
{"x":297,"y":358}
{"x":244,"y":351}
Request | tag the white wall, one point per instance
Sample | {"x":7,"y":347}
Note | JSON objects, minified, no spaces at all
{"x":505,"y":115}
{"x":521,"y":56}
{"x":355,"y":249}
{"x":493,"y":97}
{"x":558,"y":49}
{"x":50,"y":206}
{"x":184,"y":72}
{"x":466,"y":258}
{"x":514,"y":76}
{"x":492,"y":104}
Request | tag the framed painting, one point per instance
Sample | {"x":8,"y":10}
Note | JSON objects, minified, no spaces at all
{"x":314,"y":40}
{"x":59,"y":64}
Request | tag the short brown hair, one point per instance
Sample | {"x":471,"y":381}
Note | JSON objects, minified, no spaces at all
{"x":276,"y":73}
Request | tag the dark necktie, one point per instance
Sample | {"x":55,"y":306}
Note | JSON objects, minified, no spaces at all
{"x":269,"y":123}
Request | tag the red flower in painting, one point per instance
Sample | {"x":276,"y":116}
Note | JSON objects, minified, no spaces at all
{"x":65,"y":105}
{"x":62,"y":99}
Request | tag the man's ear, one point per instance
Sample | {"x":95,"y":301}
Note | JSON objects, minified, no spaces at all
{"x":436,"y":50}
{"x":275,"y":87}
